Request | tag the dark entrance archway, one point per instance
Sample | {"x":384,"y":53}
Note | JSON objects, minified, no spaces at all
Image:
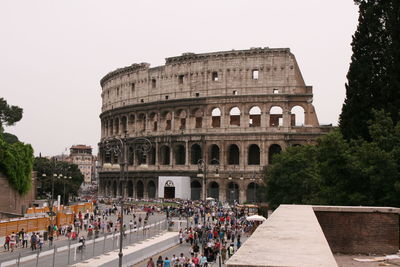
{"x":232,"y":193}
{"x":213,"y":190}
{"x":114,"y":190}
{"x":195,"y":188}
{"x":151,"y":186}
{"x":273,"y":150}
{"x":130,"y":189}
{"x":169,"y":189}
{"x":139,"y":189}
{"x":252,"y":191}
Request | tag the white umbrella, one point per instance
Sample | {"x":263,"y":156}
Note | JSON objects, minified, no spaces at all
{"x":209,"y":198}
{"x":255,"y":218}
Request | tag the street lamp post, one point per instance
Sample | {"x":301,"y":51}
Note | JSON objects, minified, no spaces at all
{"x":117,"y":146}
{"x":64,"y":181}
{"x":202,"y":165}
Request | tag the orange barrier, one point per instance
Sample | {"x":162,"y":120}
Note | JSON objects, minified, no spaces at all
{"x":64,"y":216}
{"x":28,"y":224}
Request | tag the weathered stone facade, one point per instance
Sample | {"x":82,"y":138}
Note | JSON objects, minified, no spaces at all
{"x":232,"y":109}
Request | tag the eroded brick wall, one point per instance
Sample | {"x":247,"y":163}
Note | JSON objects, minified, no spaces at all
{"x":360,"y":232}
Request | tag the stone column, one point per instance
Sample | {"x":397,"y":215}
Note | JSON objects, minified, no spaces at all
{"x":187,"y":163}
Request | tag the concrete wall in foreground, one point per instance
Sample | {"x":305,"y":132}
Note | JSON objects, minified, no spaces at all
{"x":360,"y":232}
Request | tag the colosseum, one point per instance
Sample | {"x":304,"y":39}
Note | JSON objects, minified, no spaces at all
{"x":214,"y":121}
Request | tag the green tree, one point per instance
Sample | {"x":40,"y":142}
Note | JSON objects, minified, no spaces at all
{"x":293,"y":177}
{"x":8,"y":114}
{"x":51,"y":167}
{"x":374,"y":73}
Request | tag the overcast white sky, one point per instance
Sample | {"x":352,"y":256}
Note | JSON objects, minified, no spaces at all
{"x":54,"y":53}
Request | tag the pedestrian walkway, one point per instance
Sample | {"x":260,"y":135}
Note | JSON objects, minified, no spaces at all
{"x":135,"y":253}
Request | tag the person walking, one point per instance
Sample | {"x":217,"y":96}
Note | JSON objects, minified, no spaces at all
{"x":150,"y":262}
{"x":167,"y":262}
{"x":160,"y":262}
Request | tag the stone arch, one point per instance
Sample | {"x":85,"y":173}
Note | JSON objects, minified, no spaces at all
{"x":139,"y":189}
{"x":165,"y":155}
{"x":297,"y":116}
{"x":154,"y":121}
{"x":196,"y":153}
{"x":213,"y":190}
{"x":151,"y":189}
{"x":253,"y":155}
{"x":214,"y":155}
{"x":142,"y":122}
{"x":195,"y":189}
{"x":180,"y":155}
{"x":252,"y":191}
{"x":130,"y":188}
{"x":233,"y":155}
{"x":232,"y":194}
{"x":198,"y":118}
{"x":114,"y":189}
{"x":216,"y":118}
{"x":273,"y":150}
{"x":234,"y":116}
{"x":182,"y":119}
{"x":167,"y":118}
{"x":275,"y":116}
{"x":255,"y":117}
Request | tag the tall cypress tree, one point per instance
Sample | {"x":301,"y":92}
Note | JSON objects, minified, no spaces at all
{"x":374,"y":73}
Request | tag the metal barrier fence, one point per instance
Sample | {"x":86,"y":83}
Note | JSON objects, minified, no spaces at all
{"x":74,"y":252}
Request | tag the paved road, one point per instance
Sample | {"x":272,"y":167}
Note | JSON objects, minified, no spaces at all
{"x":177,"y":250}
{"x":61,"y":258}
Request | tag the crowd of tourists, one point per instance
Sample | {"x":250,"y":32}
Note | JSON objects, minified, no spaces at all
{"x":213,"y":233}
{"x":85,"y":226}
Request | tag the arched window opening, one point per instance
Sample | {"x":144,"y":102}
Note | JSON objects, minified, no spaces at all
{"x":254,"y":155}
{"x":141,"y":157}
{"x":114,"y":193}
{"x":182,"y":120}
{"x":153,"y":120}
{"x":180,"y":155}
{"x":130,"y":189}
{"x":195,"y":188}
{"x":168,"y":121}
{"x":142,"y":122}
{"x":233,"y":155}
{"x":272,"y":151}
{"x":275,"y":116}
{"x":151,"y":190}
{"x":165,"y":155}
{"x":213,"y":190}
{"x":216,"y":118}
{"x":198,"y":114}
{"x":195,"y":153}
{"x":232,"y":194}
{"x":297,"y":116}
{"x":252,"y":192}
{"x":234,"y":114}
{"x":139,"y":189}
{"x":214,"y":155}
{"x":255,"y":117}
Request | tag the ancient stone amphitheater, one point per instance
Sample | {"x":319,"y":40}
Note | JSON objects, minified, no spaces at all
{"x":215,"y":120}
